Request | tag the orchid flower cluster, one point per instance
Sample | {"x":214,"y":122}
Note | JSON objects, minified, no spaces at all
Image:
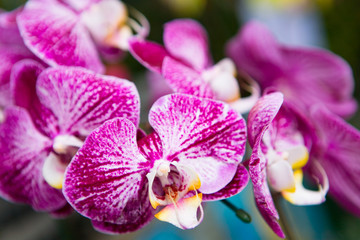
{"x":70,"y":136}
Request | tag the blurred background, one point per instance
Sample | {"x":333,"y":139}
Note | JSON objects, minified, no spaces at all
{"x":331,"y":24}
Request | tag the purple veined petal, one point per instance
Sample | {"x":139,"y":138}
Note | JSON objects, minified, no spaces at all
{"x":10,"y":34}
{"x":106,"y":180}
{"x":205,"y":134}
{"x":255,"y":51}
{"x":338,"y":154}
{"x":82,"y":100}
{"x":53,"y":32}
{"x":316,"y":75}
{"x":24,"y":75}
{"x":145,"y":217}
{"x":23,"y":150}
{"x":149,"y":54}
{"x":263,"y":199}
{"x":187,"y":40}
{"x":237,"y":184}
{"x":183,"y":79}
{"x":262,"y":114}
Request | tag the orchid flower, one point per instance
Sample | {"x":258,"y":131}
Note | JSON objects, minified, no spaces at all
{"x":193,"y":155}
{"x":12,"y":50}
{"x":185,"y":64}
{"x":281,"y":139}
{"x":304,"y":75}
{"x":67,"y":32}
{"x":338,"y":151}
{"x":55,"y":110}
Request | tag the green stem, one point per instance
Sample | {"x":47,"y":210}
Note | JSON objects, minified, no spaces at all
{"x":240,"y":213}
{"x":283,"y":218}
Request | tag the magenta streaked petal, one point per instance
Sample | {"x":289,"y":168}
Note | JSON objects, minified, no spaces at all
{"x":55,"y":34}
{"x":149,"y":54}
{"x":183,"y":79}
{"x":205,"y":134}
{"x":106,"y":180}
{"x":316,"y":75}
{"x":262,"y":114}
{"x":82,"y":100}
{"x":237,"y":184}
{"x":24,"y":75}
{"x":338,"y":154}
{"x":187,"y":40}
{"x":263,"y":199}
{"x":23,"y":150}
{"x":255,"y":51}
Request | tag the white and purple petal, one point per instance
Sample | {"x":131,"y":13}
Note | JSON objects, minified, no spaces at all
{"x":23,"y":150}
{"x":55,"y":34}
{"x":205,"y":134}
{"x":106,"y":180}
{"x":82,"y":100}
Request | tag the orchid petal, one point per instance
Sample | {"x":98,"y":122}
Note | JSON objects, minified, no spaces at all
{"x":205,"y":134}
{"x":303,"y":196}
{"x":187,"y":40}
{"x":183,"y":79}
{"x":23,"y":150}
{"x":317,"y":75}
{"x":255,"y":51}
{"x":183,"y":214}
{"x":338,"y":153}
{"x":262,"y":114}
{"x":10,"y":34}
{"x":106,"y":180}
{"x":263,"y":199}
{"x":53,"y":32}
{"x":82,"y":100}
{"x":237,"y":184}
{"x":24,"y":76}
{"x":150,"y":54}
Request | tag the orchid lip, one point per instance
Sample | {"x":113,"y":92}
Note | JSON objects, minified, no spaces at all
{"x":64,"y":148}
{"x":169,"y":186}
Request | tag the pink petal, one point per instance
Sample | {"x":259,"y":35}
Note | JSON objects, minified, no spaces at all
{"x":205,"y":134}
{"x":262,"y":114}
{"x":106,"y":180}
{"x":9,"y":30}
{"x":149,"y":54}
{"x":53,"y":32}
{"x":237,"y":184}
{"x":23,"y":150}
{"x":187,"y":40}
{"x":339,"y":153}
{"x":255,"y":51}
{"x":82,"y":100}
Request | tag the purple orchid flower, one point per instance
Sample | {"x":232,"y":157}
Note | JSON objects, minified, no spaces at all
{"x":67,"y":32}
{"x":305,"y":75}
{"x":55,"y":110}
{"x":281,"y":138}
{"x":186,"y":65}
{"x":12,"y":50}
{"x":338,"y":151}
{"x":194,"y":155}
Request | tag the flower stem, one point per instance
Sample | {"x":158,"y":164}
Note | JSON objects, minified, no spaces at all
{"x":283,"y":217}
{"x":240,"y":213}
